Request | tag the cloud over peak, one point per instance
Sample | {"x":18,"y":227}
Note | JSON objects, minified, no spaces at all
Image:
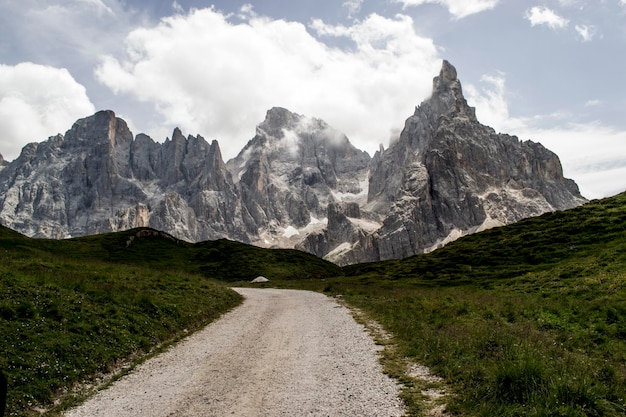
{"x":208,"y":72}
{"x":37,"y":101}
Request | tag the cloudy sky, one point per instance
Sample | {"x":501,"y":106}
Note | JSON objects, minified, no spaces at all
{"x":553,"y":71}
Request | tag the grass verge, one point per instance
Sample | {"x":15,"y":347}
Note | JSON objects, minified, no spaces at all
{"x":523,"y":320}
{"x":65,"y":321}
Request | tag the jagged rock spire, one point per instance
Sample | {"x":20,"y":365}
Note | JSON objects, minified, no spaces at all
{"x":446,"y":75}
{"x":449,"y":175}
{"x":447,"y":96}
{"x":102,"y":127}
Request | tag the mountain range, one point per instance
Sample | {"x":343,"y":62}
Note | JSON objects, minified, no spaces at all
{"x":298,"y":183}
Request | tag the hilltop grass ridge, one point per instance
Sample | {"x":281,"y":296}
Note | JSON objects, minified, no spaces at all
{"x":67,"y":318}
{"x":523,"y":320}
{"x":74,"y":310}
{"x":526,"y":319}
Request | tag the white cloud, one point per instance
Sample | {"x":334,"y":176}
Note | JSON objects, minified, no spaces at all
{"x":246,"y":12}
{"x":586,"y":32}
{"x":353,"y":6}
{"x":37,"y":101}
{"x":177,"y":7}
{"x":65,"y":32}
{"x":215,"y":77}
{"x":491,"y":103}
{"x":458,"y":8}
{"x":592,"y":154}
{"x":540,"y":15}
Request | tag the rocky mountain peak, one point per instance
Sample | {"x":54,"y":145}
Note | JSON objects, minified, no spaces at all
{"x":278,"y":119}
{"x":177,"y":135}
{"x":447,"y":96}
{"x":447,"y":73}
{"x":447,"y":83}
{"x":102,"y":127}
{"x":290,"y":172}
{"x":449,"y":175}
{"x":214,"y":157}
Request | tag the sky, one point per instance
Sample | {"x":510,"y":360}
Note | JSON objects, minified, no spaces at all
{"x":551,"y":71}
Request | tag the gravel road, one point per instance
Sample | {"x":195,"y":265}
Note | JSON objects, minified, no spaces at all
{"x":281,"y":353}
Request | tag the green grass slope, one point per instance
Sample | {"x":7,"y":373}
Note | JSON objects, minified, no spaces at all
{"x":523,"y":320}
{"x":220,"y":259}
{"x":232,"y":261}
{"x":593,"y":232}
{"x":73,"y":309}
{"x":65,"y":318}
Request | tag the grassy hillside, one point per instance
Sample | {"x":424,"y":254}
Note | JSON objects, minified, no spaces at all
{"x":220,"y":259}
{"x":231,"y":261}
{"x":73,"y":309}
{"x":523,"y":320}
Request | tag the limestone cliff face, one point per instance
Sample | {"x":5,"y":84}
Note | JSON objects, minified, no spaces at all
{"x":448,"y":175}
{"x":297,"y":183}
{"x":291,"y":171}
{"x":97,"y":178}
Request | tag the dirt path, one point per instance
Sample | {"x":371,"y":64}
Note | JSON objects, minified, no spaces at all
{"x":281,"y":353}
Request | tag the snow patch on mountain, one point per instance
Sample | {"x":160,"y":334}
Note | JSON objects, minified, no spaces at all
{"x":290,"y":231}
{"x":339,"y":252}
{"x":368,"y":226}
{"x":359,"y":196}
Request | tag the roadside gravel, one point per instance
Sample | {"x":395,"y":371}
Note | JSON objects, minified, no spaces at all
{"x":281,"y":353}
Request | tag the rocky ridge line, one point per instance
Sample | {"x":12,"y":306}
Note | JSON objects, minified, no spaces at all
{"x":297,"y":183}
